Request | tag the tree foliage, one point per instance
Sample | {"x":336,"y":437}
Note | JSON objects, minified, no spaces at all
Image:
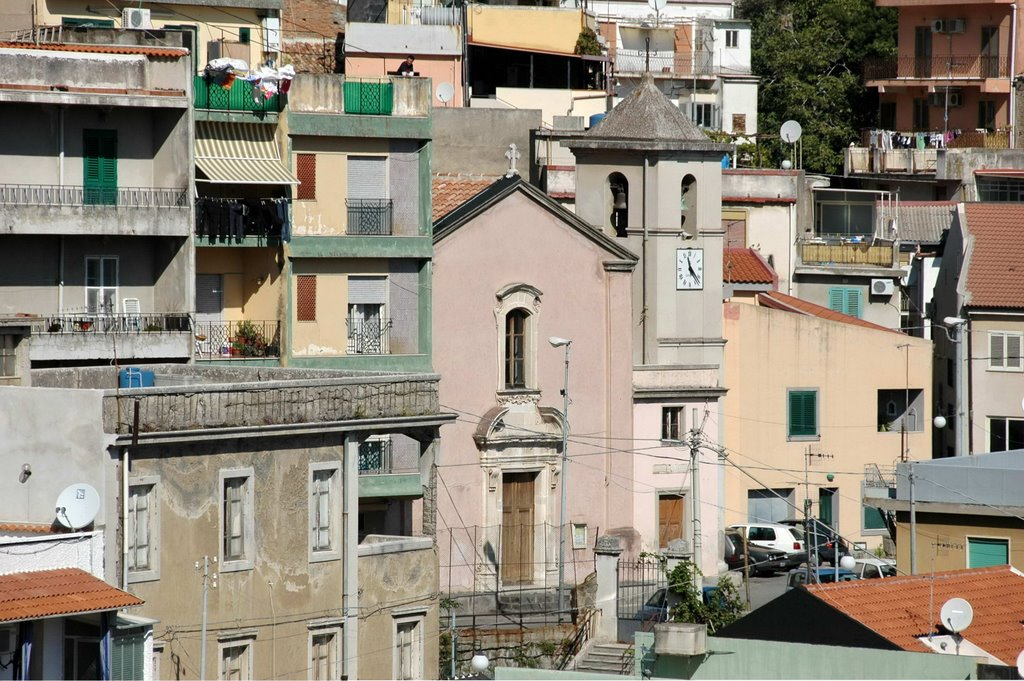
{"x":810,"y":55}
{"x":723,"y":607}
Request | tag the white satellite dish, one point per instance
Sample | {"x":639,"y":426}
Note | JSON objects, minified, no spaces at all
{"x":78,"y":505}
{"x":956,"y":614}
{"x":445,"y":92}
{"x":1020,"y":664}
{"x":657,"y":5}
{"x":790,"y":131}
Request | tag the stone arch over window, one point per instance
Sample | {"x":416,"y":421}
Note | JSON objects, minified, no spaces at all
{"x":688,"y":204}
{"x":516,"y":316}
{"x":618,"y":204}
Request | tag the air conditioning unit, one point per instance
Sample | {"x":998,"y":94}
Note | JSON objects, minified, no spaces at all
{"x":882,"y":287}
{"x":956,"y":25}
{"x":938,"y":25}
{"x":136,"y":18}
{"x":940,"y":98}
{"x":956,"y":99}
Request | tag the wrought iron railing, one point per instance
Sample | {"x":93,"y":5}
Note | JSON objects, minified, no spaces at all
{"x":369,"y":216}
{"x":70,"y":195}
{"x":937,"y":66}
{"x":679,"y":64}
{"x":375,"y":457}
{"x":369,"y":96}
{"x":239,"y":96}
{"x":369,"y":337}
{"x":245,"y":338}
{"x":86,"y":322}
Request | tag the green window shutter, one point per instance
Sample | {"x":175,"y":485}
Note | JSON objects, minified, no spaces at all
{"x":987,"y":552}
{"x":99,"y":158}
{"x":845,"y":299}
{"x":803,"y":413}
{"x":126,"y":653}
{"x":853,"y":302}
{"x":873,"y":519}
{"x":836,"y":300}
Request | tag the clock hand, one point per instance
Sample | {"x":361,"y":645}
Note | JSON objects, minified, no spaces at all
{"x":693,"y":274}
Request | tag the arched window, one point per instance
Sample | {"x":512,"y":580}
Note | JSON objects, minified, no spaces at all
{"x":618,"y":191}
{"x":516,"y":323}
{"x":688,"y":205}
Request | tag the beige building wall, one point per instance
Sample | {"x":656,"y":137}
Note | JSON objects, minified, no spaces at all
{"x":327,"y":215}
{"x":942,"y":539}
{"x":329,"y":333}
{"x":994,"y":393}
{"x":546,"y":29}
{"x":770,"y":351}
{"x":252,"y":282}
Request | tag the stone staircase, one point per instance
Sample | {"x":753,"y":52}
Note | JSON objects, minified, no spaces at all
{"x":607,"y":658}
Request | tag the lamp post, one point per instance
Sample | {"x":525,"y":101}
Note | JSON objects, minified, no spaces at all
{"x":557,"y":342}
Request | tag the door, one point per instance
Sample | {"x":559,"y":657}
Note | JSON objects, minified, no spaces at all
{"x":517,"y":499}
{"x":367,"y":326}
{"x":923,"y":52}
{"x":671,"y":518}
{"x":989,"y":51}
{"x":211,"y":334}
{"x":368,"y":209}
{"x":99,"y":172}
{"x":987,"y":552}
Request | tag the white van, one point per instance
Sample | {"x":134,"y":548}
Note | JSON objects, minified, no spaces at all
{"x":777,"y":536}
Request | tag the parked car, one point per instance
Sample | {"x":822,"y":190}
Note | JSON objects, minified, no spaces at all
{"x":657,"y":607}
{"x":823,"y":575}
{"x":821,"y":540}
{"x":762,"y":560}
{"x":874,"y":568}
{"x":786,"y":538}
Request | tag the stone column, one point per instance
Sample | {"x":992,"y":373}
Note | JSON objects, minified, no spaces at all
{"x":606,"y":558}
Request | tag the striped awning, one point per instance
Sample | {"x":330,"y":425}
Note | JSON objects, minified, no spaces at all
{"x":239,"y":153}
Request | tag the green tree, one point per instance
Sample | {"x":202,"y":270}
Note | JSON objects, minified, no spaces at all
{"x":724,"y":606}
{"x":810,"y":56}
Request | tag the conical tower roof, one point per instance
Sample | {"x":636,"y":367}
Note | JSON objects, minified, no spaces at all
{"x":647,"y":120}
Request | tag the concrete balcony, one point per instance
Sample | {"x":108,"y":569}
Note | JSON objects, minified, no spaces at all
{"x":826,"y":251}
{"x":664,"y":64}
{"x":89,"y":337}
{"x":208,"y":96}
{"x":331,"y":104}
{"x":936,"y":67}
{"x":387,"y":470}
{"x":78,"y":210}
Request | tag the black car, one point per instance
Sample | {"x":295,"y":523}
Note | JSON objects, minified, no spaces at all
{"x":762,"y":560}
{"x":821,"y":540}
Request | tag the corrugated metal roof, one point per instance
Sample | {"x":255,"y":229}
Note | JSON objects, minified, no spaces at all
{"x":243,"y":153}
{"x":902,"y":609}
{"x":995,"y":272}
{"x":50,"y":593}
{"x":924,"y":222}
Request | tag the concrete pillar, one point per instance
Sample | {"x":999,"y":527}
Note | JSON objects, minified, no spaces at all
{"x":606,"y":559}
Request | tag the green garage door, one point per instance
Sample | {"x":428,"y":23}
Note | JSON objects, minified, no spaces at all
{"x":986,"y":552}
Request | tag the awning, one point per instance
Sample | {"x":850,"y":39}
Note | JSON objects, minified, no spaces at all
{"x":55,"y":593}
{"x":239,"y":153}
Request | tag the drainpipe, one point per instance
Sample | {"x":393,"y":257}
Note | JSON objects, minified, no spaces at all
{"x":643,"y":254}
{"x":1013,"y":74}
{"x":124,"y":515}
{"x":60,"y":181}
{"x":60,"y":276}
{"x":350,"y":457}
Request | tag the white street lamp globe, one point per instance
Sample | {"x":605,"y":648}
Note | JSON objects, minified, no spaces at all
{"x":479,"y":663}
{"x":939,"y":421}
{"x":787,"y":164}
{"x":847,"y":562}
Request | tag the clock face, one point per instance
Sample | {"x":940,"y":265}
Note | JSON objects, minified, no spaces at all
{"x":689,"y":269}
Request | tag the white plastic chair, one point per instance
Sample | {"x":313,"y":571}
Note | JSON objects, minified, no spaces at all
{"x":132,"y":314}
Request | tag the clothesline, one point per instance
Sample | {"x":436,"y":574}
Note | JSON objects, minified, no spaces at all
{"x":891,"y":139}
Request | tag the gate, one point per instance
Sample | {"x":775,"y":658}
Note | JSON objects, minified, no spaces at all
{"x":641,"y":599}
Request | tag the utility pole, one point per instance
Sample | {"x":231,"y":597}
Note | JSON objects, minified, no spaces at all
{"x":913,"y":524}
{"x":810,"y":529}
{"x":695,"y":498}
{"x":208,"y":580}
{"x":453,"y":637}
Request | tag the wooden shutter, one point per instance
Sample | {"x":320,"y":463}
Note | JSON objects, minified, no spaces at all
{"x":305,"y":172}
{"x":99,"y":158}
{"x":305,"y":298}
{"x":803,"y":413}
{"x":853,"y":302}
{"x":996,"y":358}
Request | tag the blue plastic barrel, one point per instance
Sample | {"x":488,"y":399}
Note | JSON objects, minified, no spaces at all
{"x":134,"y":377}
{"x":597,"y":118}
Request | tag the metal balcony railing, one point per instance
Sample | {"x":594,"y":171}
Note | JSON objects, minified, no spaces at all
{"x":369,"y":96}
{"x":245,"y":338}
{"x":238,"y":97}
{"x":637,"y":61}
{"x":369,"y":337}
{"x":369,"y":216}
{"x":113,"y":323}
{"x":375,"y":457}
{"x":937,"y":66}
{"x":69,"y":195}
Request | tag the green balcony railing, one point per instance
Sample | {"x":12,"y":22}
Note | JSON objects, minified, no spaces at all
{"x":238,"y":97}
{"x":369,"y":96}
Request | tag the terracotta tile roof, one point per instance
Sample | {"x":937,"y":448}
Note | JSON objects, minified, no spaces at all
{"x":746,"y":266}
{"x":780,"y":301}
{"x":903,"y":608}
{"x":995,"y":273}
{"x":451,"y":191}
{"x":27,"y":528}
{"x":98,"y":49}
{"x":49,"y":593}
{"x":925,"y":221}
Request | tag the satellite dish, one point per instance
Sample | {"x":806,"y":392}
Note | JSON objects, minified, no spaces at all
{"x":78,"y":505}
{"x":445,"y":92}
{"x":790,"y":131}
{"x":1020,"y":664}
{"x":657,"y":5}
{"x":956,"y":614}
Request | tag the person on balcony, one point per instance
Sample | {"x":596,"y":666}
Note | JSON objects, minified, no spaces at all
{"x":406,"y":68}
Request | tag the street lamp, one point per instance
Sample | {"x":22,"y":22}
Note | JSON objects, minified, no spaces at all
{"x":557,"y":342}
{"x":956,"y":324}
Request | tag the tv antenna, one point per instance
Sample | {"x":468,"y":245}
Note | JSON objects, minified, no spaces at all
{"x":77,"y":505}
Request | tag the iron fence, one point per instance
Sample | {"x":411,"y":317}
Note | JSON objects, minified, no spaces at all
{"x":69,"y":195}
{"x":238,"y":96}
{"x":375,"y":457}
{"x":245,"y":338}
{"x":369,"y":337}
{"x":369,"y":96}
{"x":638,"y":579}
{"x":86,"y":322}
{"x":369,"y":217}
{"x":937,"y":66}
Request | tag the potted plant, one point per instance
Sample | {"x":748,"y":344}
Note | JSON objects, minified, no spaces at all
{"x":249,"y":341}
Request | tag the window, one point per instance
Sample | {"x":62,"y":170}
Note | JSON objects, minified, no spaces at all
{"x":844,"y":216}
{"x":244,"y":34}
{"x":987,"y":114}
{"x":761,"y":534}
{"x":325,"y":654}
{"x":770,"y":505}
{"x":895,"y":415}
{"x":142,"y":530}
{"x":8,"y":355}
{"x":367,"y":326}
{"x":236,"y":661}
{"x":1004,"y":351}
{"x":845,"y":299}
{"x":1000,"y":189}
{"x":732,"y":38}
{"x":704,"y":114}
{"x":920,"y":115}
{"x":305,"y":172}
{"x":688,"y":204}
{"x":99,"y":171}
{"x":237,"y":522}
{"x":672,"y":423}
{"x":802,"y":416}
{"x":887,"y":115}
{"x":618,"y":192}
{"x":408,"y":660}
{"x":127,"y":655}
{"x":101,"y":284}
{"x":872,"y":521}
{"x":1005,"y":434}
{"x":739,"y":124}
{"x":324,"y":512}
{"x":986,"y":552}
{"x":515,"y":348}
{"x":305,"y":298}
{"x":828,"y":505}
